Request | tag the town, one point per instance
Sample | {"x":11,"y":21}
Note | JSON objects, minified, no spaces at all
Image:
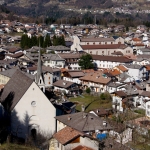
{"x":83,"y":87}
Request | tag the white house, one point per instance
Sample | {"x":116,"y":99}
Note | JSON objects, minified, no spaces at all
{"x":137,"y":72}
{"x":109,"y":61}
{"x":121,"y":133}
{"x":27,"y":105}
{"x":53,"y":60}
{"x":148,"y":109}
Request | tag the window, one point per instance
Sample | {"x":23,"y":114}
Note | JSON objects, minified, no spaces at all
{"x":87,"y":43}
{"x":49,"y":83}
{"x":96,"y":52}
{"x":105,"y":42}
{"x":49,"y":77}
{"x":99,"y":42}
{"x":102,"y":52}
{"x":94,"y":43}
{"x":90,"y":52}
{"x":33,"y":103}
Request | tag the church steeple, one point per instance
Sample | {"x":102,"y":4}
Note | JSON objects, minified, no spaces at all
{"x":39,"y":66}
{"x":39,"y":79}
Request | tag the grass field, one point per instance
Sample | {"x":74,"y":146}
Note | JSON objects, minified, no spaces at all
{"x":90,"y":102}
{"x":15,"y":147}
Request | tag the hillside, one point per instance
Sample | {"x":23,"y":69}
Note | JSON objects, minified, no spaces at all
{"x":76,"y":3}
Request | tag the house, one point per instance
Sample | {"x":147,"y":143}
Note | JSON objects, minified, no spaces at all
{"x":144,"y":97}
{"x":71,"y":60}
{"x":27,"y":103}
{"x":13,"y":52}
{"x":126,"y":98}
{"x":58,"y":49}
{"x":97,"y":81}
{"x":65,"y":86}
{"x":78,"y":42}
{"x":73,"y":76}
{"x":106,"y":49}
{"x":112,"y":73}
{"x":121,"y":68}
{"x":115,"y":86}
{"x":135,"y":41}
{"x":69,"y":138}
{"x":84,"y":127}
{"x":148,"y":85}
{"x":53,"y":60}
{"x":121,"y":133}
{"x":50,"y":74}
{"x":145,"y":51}
{"x":110,"y":61}
{"x":137,"y":72}
{"x":148,"y":109}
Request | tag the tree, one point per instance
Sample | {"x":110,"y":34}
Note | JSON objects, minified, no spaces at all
{"x":58,"y":40}
{"x":86,"y":62}
{"x":47,"y":41}
{"x":88,"y":90}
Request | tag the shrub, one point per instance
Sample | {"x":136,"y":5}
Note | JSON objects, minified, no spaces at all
{"x":88,"y":90}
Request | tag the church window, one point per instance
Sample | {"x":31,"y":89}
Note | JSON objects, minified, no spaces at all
{"x":33,"y":103}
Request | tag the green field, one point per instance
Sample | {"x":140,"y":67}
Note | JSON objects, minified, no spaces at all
{"x":91,"y":102}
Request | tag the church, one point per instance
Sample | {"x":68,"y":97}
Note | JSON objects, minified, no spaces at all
{"x":31,"y":111}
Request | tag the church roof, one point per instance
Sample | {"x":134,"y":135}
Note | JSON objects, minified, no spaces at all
{"x":15,"y":88}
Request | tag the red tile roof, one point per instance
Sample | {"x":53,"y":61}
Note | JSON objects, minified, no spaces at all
{"x":66,"y":135}
{"x":109,"y":46}
{"x":82,"y":148}
{"x":122,"y":68}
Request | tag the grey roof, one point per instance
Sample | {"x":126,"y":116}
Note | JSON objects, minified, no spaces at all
{"x":97,"y":39}
{"x":133,"y":66}
{"x":70,"y":55}
{"x":16,"y":88}
{"x":74,"y":74}
{"x":63,"y":83}
{"x":145,"y":49}
{"x":83,"y":122}
{"x":143,"y":56}
{"x":10,"y":72}
{"x":145,"y":94}
{"x":58,"y":48}
{"x":114,"y":84}
{"x":55,"y":57}
{"x":131,"y":90}
{"x":123,"y":76}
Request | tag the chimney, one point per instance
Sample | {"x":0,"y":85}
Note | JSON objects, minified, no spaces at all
{"x":69,"y":118}
{"x":97,"y":110}
{"x":105,"y":123}
{"x":82,"y":108}
{"x":64,"y":83}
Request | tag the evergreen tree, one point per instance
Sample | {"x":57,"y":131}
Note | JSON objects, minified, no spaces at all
{"x":86,"y":62}
{"x":47,"y":41}
{"x":54,"y":40}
